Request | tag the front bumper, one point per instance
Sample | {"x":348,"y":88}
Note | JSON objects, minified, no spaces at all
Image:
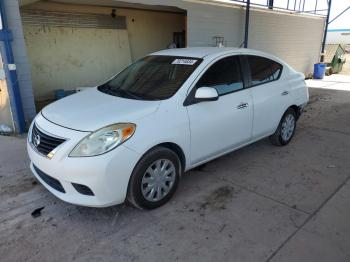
{"x":300,"y":110}
{"x":107,"y":176}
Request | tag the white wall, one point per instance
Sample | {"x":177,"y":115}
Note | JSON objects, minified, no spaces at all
{"x":338,"y":37}
{"x":294,"y":38}
{"x":206,"y":21}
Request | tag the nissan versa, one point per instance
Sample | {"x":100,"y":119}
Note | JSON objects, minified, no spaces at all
{"x":131,"y":138}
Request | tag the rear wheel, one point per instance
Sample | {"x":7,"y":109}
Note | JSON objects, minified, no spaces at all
{"x":286,"y":129}
{"x":154,"y":179}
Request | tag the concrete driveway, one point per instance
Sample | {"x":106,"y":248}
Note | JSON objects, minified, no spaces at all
{"x":261,"y":203}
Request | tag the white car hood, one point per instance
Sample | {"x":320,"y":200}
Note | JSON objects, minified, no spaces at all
{"x":91,"y":110}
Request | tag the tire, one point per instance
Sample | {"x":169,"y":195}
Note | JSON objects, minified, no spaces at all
{"x":151,"y":172}
{"x":286,"y":129}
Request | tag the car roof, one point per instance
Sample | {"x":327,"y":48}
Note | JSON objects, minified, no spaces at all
{"x":212,"y":52}
{"x":198,"y":52}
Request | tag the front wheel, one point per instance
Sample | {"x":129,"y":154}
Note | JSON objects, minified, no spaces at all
{"x":154,"y":179}
{"x":286,"y":129}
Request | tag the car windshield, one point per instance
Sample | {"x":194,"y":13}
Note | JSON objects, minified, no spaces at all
{"x":152,"y":78}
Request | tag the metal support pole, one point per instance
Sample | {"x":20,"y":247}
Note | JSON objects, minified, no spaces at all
{"x":325,"y":30}
{"x":270,"y":4}
{"x":246,"y":33}
{"x":303,"y":5}
{"x":339,"y":15}
{"x":12,"y":79}
{"x":316,"y":6}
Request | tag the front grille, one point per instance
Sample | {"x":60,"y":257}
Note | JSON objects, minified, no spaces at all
{"x":44,"y":143}
{"x":52,"y":182}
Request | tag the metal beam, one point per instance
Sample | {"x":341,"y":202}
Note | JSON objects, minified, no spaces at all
{"x":270,"y":4}
{"x":325,"y":30}
{"x":246,"y":32}
{"x":340,"y":14}
{"x":316,"y":5}
{"x":11,"y":73}
{"x":303,"y":5}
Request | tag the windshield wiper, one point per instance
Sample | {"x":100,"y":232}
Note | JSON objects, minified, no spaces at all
{"x":121,"y":92}
{"x":124,"y":93}
{"x":128,"y":94}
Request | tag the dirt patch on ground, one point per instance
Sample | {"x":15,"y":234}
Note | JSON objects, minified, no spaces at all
{"x":318,"y":97}
{"x":218,"y":198}
{"x":17,"y":184}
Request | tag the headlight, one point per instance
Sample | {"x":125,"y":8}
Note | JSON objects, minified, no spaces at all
{"x":103,"y":140}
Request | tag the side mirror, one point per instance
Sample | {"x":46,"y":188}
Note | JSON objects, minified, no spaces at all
{"x":206,"y":94}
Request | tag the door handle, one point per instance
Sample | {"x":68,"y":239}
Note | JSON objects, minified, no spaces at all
{"x":285,"y":93}
{"x":242,"y":105}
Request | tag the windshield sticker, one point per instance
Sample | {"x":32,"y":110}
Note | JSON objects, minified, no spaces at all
{"x":184,"y":62}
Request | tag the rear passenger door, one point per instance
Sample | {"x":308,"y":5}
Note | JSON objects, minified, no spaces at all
{"x":270,"y":94}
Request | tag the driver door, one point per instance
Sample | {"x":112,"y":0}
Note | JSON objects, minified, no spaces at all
{"x":220,"y":126}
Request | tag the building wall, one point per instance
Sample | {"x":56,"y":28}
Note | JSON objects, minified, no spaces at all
{"x":5,"y":107}
{"x":206,"y":21}
{"x":59,"y":61}
{"x":338,"y":36}
{"x":67,"y":58}
{"x":294,"y":38}
{"x":148,"y":31}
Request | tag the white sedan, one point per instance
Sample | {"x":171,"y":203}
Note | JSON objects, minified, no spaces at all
{"x":131,"y":138}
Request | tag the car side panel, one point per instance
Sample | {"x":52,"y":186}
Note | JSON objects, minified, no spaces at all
{"x":218,"y":126}
{"x":298,"y":88}
{"x":169,"y":124}
{"x":270,"y":102}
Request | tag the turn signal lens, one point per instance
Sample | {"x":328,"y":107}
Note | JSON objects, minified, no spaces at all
{"x":128,"y":131}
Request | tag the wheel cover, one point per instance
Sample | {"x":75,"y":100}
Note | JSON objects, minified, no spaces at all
{"x":158,"y":180}
{"x":288,"y":127}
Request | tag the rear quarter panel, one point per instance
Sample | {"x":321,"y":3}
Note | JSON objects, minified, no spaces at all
{"x":298,"y":88}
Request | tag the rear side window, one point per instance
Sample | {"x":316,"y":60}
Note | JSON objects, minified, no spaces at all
{"x":224,"y":76}
{"x":263,"y":70}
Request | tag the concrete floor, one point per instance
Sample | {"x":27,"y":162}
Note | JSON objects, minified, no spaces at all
{"x":261,"y":203}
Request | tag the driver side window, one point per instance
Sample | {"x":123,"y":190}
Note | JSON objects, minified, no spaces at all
{"x":224,"y":76}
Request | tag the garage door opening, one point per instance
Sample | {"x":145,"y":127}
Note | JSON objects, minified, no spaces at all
{"x":73,"y":46}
